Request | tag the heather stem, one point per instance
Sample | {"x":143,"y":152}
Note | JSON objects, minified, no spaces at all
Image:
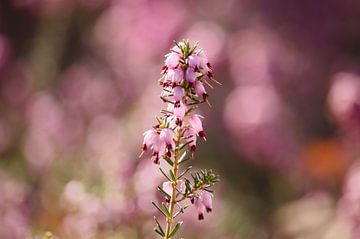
{"x":175,"y":168}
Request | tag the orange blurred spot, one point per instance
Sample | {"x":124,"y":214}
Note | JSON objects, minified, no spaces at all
{"x":325,"y":160}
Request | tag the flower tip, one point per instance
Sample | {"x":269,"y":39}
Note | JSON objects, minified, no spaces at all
{"x":208,"y":209}
{"x":201,"y":216}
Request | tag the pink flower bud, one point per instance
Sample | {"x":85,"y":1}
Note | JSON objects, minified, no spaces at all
{"x":166,"y":135}
{"x":204,"y":66}
{"x":206,"y":198}
{"x":194,"y":61}
{"x":172,"y":60}
{"x":174,"y":76}
{"x":180,"y":111}
{"x":179,"y":93}
{"x":190,"y":135}
{"x":195,"y":123}
{"x":168,"y":187}
{"x":149,"y":139}
{"x":200,"y":208}
{"x":158,"y":148}
{"x":203,"y":203}
{"x":200,"y":89}
{"x":190,"y":75}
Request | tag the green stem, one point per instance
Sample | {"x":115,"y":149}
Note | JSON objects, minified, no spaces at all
{"x":175,"y":168}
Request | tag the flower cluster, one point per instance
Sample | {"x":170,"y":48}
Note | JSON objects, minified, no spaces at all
{"x":173,"y":139}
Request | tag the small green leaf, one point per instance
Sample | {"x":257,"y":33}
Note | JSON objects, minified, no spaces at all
{"x":183,"y":173}
{"x":163,"y":173}
{"x":158,"y":208}
{"x":176,"y":228}
{"x":159,"y":232}
{"x":168,"y":160}
{"x":163,"y":192}
{"x":159,"y":227}
{"x":166,"y":210}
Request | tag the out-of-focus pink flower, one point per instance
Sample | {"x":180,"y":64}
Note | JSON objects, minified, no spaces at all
{"x":172,"y":60}
{"x":203,"y":203}
{"x":190,"y":75}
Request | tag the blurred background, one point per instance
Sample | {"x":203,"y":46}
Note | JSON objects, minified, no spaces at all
{"x":78,"y":87}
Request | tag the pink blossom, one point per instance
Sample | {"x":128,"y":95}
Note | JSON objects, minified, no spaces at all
{"x":149,"y":139}
{"x":179,"y":93}
{"x":194,"y":61}
{"x":166,"y":135}
{"x":190,"y":135}
{"x":158,"y":148}
{"x":172,"y":60}
{"x":203,"y":203}
{"x":190,"y":75}
{"x":204,"y":62}
{"x":167,"y":187}
{"x":200,"y":89}
{"x":180,"y":111}
{"x":174,"y":76}
{"x":195,"y":123}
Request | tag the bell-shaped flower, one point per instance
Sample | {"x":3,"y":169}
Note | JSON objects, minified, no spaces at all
{"x":200,"y":89}
{"x":179,"y":111}
{"x":172,"y":60}
{"x":174,"y":76}
{"x":190,"y":136}
{"x":179,"y":93}
{"x":149,"y":139}
{"x":168,"y":188}
{"x":158,"y":149}
{"x":203,"y":203}
{"x":195,"y":123}
{"x":167,"y":136}
{"x":206,"y":198}
{"x":204,"y":66}
{"x":200,"y":208}
{"x":190,"y":75}
{"x":194,"y":61}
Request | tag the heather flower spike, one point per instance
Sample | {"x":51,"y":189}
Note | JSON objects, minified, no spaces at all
{"x":173,"y":139}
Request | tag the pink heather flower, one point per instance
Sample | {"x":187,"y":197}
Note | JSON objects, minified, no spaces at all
{"x":206,"y":198}
{"x":190,"y":75}
{"x":203,"y":203}
{"x":180,"y":111}
{"x":174,"y":76}
{"x":195,"y":123}
{"x":167,"y":187}
{"x":204,"y":62}
{"x":179,"y":93}
{"x":194,"y":61}
{"x":158,"y":149}
{"x":172,"y":60}
{"x":149,"y":139}
{"x":166,"y":135}
{"x":200,"y":89}
{"x":190,"y":135}
{"x":200,"y":208}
